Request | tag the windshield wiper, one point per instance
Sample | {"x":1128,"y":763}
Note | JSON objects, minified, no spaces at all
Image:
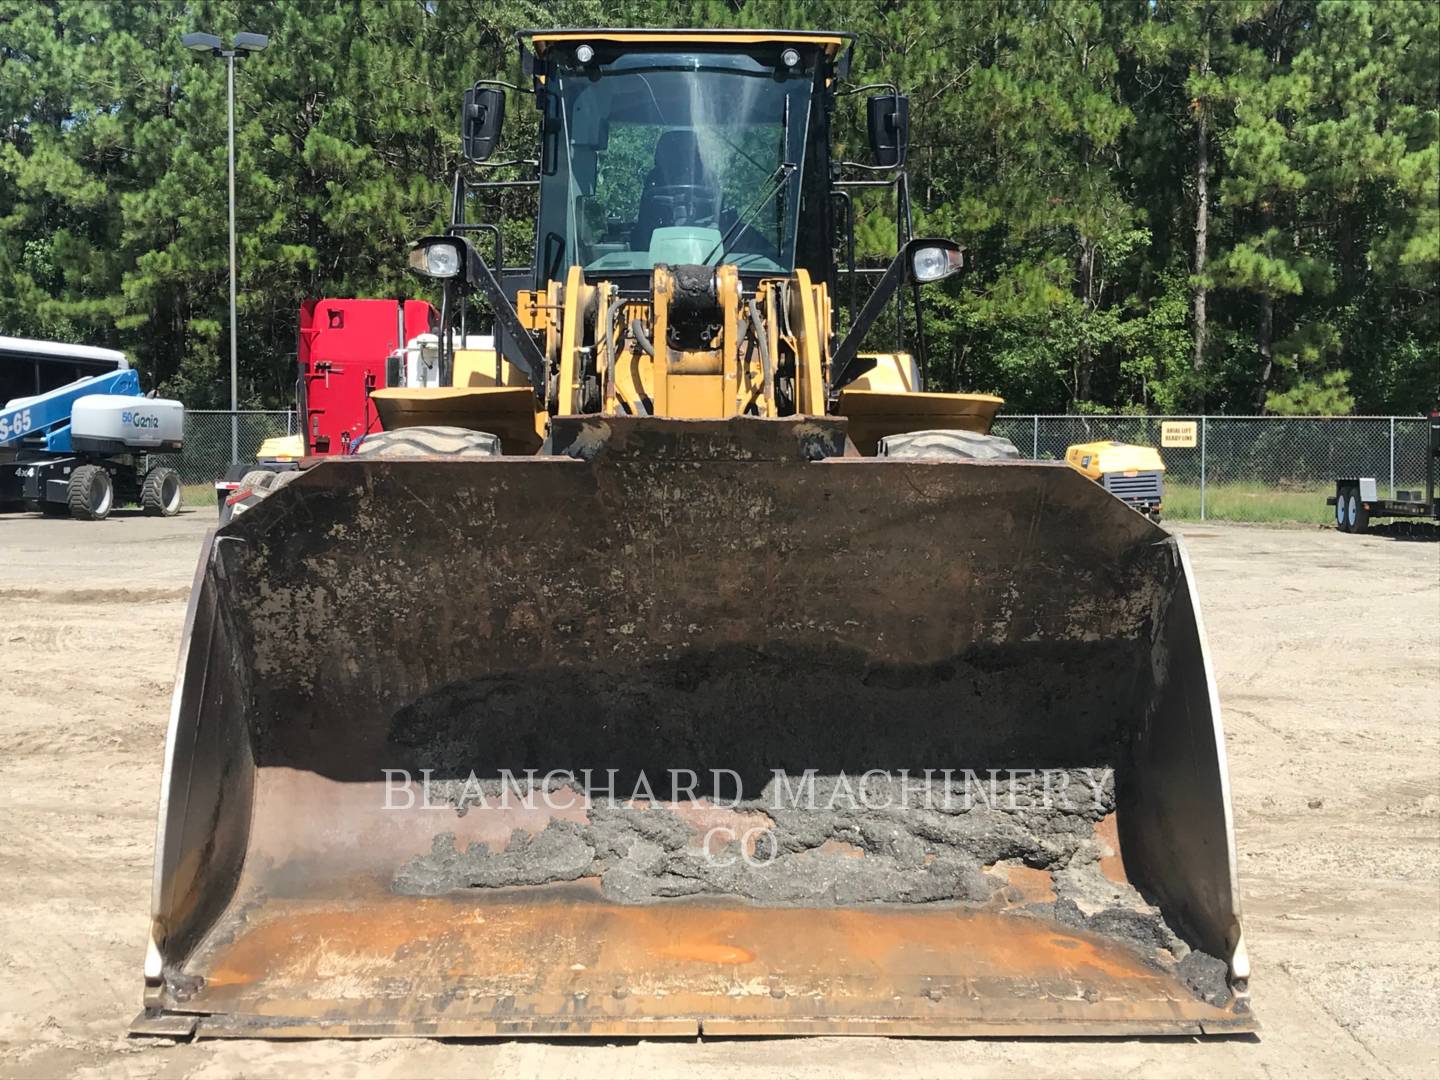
{"x":768,"y":190}
{"x":772,"y":186}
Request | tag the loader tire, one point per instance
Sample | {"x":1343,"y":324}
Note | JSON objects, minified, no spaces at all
{"x":254,"y":486}
{"x":160,"y":493}
{"x":946,"y":445}
{"x":257,"y":480}
{"x":429,"y":442}
{"x":90,"y":494}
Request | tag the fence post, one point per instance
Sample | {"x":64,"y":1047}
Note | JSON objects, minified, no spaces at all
{"x":1392,"y":457}
{"x":1202,"y":468}
{"x":1035,"y":438}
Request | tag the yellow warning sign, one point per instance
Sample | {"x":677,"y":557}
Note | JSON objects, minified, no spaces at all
{"x":1177,"y":432}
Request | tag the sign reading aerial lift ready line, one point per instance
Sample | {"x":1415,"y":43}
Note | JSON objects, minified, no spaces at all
{"x":1178,"y":433}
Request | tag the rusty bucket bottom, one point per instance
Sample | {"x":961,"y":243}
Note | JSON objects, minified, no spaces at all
{"x":562,"y":961}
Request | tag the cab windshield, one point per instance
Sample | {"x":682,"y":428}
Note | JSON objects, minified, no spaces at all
{"x":666,"y":158}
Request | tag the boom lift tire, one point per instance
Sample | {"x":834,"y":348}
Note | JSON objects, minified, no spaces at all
{"x":90,"y":494}
{"x":160,"y":494}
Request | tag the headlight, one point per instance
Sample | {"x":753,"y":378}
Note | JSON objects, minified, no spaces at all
{"x":436,"y":260}
{"x":934,"y":263}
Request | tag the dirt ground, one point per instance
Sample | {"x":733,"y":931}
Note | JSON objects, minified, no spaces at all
{"x":1327,"y":649}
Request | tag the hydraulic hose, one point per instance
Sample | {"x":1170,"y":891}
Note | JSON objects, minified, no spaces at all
{"x":637,"y":331}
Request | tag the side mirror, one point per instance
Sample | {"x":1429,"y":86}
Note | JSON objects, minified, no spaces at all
{"x":888,"y":119}
{"x":481,"y":119}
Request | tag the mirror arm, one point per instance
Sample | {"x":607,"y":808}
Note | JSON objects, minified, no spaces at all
{"x":894,"y":90}
{"x":870,"y":168}
{"x":457,"y":197}
{"x":922,"y":359}
{"x":507,"y":85}
{"x":530,"y":359}
{"x":845,"y":364}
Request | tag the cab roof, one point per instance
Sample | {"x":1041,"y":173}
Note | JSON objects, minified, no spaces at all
{"x":833,"y":42}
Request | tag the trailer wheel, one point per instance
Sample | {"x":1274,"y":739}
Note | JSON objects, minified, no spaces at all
{"x":1357,"y":517}
{"x":947,"y":445}
{"x":90,"y":493}
{"x":160,"y":493}
{"x":425,"y":442}
{"x":1342,"y":499}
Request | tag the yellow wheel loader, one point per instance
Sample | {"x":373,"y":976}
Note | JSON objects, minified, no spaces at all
{"x":674,"y":667}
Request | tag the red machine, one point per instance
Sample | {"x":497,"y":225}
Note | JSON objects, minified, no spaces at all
{"x":344,"y":345}
{"x":347,"y":349}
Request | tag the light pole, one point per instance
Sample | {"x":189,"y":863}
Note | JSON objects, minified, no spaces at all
{"x":244,"y":44}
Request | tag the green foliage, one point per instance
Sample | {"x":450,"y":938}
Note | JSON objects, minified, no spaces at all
{"x":1328,"y":396}
{"x":1056,"y":140}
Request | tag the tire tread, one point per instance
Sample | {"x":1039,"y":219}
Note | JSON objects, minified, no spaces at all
{"x":152,"y":492}
{"x":948,"y":445}
{"x":429,"y":442}
{"x":79,"y":493}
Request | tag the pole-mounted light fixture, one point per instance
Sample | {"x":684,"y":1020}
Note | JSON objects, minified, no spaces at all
{"x":244,"y":43}
{"x":201,"y":42}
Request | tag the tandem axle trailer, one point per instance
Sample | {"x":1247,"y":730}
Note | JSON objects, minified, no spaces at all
{"x":1357,"y":502}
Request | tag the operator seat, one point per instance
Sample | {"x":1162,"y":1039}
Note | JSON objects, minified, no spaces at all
{"x":677,"y":163}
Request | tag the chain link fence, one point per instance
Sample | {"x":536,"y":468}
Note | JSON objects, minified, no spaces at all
{"x":1242,"y":468}
{"x":208,"y":445}
{"x":1249,"y":468}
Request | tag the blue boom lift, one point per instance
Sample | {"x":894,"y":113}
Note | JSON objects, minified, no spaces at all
{"x":83,"y":448}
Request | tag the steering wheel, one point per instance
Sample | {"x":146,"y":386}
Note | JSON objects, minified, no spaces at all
{"x":687,"y":204}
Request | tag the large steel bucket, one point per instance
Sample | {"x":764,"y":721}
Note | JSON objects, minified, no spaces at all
{"x":633,"y":739}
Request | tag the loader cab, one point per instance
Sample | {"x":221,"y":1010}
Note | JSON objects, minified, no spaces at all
{"x":657,"y":151}
{"x":659,"y":147}
{"x":657,"y":154}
